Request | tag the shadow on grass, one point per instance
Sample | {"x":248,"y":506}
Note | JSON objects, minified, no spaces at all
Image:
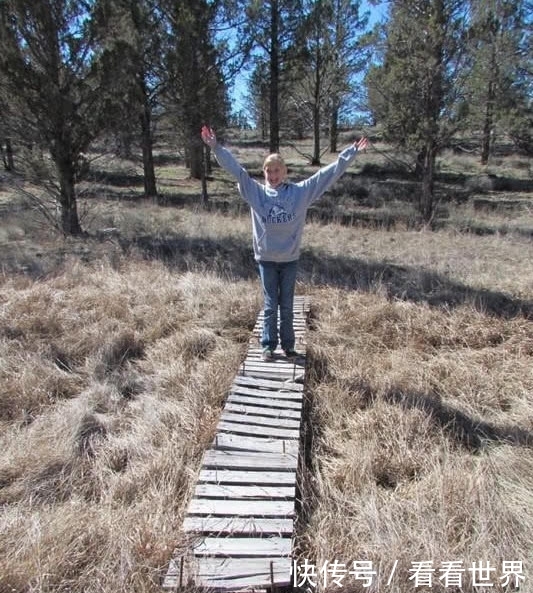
{"x":115,"y":178}
{"x":232,"y":257}
{"x":229,"y":257}
{"x":471,"y":433}
{"x":406,"y":283}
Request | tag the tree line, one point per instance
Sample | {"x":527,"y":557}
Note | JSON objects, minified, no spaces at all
{"x":73,"y":72}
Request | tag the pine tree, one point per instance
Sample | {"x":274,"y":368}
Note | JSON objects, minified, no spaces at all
{"x":136,"y":29}
{"x":197,"y":89}
{"x":53,"y":89}
{"x":272,"y":26}
{"x":416,"y":88}
{"x":328,"y":55}
{"x":496,"y":57}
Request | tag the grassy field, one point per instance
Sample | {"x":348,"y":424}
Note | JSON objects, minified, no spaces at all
{"x":117,"y":350}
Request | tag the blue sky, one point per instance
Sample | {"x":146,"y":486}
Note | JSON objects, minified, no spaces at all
{"x":239,"y":90}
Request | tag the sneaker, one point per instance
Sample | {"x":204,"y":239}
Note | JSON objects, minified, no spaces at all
{"x":268,"y":354}
{"x":291,"y":353}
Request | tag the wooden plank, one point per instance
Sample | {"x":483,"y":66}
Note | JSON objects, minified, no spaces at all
{"x":242,"y":508}
{"x":256,"y":348}
{"x":254,"y":443}
{"x":267,"y":394}
{"x":269,"y":376}
{"x":227,"y":476}
{"x":279,"y":365}
{"x":238,"y":525}
{"x":261,"y":420}
{"x":279,"y":361}
{"x":256,"y":429}
{"x":269,"y":373}
{"x":231,"y":574}
{"x":285,"y":385}
{"x":260,"y":401}
{"x":249,"y":461}
{"x":246,"y":547}
{"x":299,"y":323}
{"x":266,"y":371}
{"x":244,"y":492}
{"x":262,"y":410}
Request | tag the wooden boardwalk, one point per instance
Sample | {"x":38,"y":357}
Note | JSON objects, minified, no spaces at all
{"x":240,"y":519}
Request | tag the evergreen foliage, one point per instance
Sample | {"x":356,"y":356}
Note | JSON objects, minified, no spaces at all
{"x":75,"y":72}
{"x":53,"y":87}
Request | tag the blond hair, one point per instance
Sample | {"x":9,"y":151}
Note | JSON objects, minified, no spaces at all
{"x":275,"y":157}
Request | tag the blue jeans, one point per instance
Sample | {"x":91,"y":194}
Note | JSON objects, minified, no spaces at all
{"x":278,"y":281}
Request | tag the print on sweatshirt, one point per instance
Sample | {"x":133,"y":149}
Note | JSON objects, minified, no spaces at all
{"x":278,"y":215}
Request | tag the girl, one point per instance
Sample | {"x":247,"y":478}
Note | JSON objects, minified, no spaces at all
{"x":278,"y":217}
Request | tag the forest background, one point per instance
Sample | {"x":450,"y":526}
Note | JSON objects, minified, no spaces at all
{"x":429,"y":74}
{"x":128,"y":289}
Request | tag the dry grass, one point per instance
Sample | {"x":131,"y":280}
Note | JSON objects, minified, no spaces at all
{"x":116,"y":353}
{"x":112,"y":381}
{"x":423,"y":427}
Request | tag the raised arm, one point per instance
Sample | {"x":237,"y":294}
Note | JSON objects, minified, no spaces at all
{"x":325,"y":177}
{"x":248,"y":187}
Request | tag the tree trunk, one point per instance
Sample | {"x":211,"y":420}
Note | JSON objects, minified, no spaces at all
{"x":433,"y":105}
{"x":70,"y":224}
{"x":334,"y":126}
{"x":428,"y":182}
{"x":316,"y":114}
{"x":196,"y":159}
{"x":316,"y":135}
{"x":9,"y":164}
{"x":205,"y":195}
{"x":487,"y":125}
{"x":150,"y":186}
{"x":274,"y":77}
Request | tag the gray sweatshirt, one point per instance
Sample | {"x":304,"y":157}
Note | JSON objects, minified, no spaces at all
{"x":278,"y":215}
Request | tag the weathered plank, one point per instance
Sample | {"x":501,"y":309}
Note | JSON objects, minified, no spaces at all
{"x":251,"y":526}
{"x":227,"y":476}
{"x":268,"y":394}
{"x":276,"y":385}
{"x":255,"y":443}
{"x":243,"y":492}
{"x":243,"y":508}
{"x":262,"y":410}
{"x":269,"y":375}
{"x":279,"y":357}
{"x":231,"y":574}
{"x":244,"y":547}
{"x":249,"y":461}
{"x":261,"y":420}
{"x":275,"y":404}
{"x":279,"y":365}
{"x":256,"y":429}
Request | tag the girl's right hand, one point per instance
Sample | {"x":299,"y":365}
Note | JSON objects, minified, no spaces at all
{"x":209,"y":136}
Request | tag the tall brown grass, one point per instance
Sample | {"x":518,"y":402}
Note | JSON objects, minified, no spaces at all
{"x":112,"y":381}
{"x":422,"y":425}
{"x":116,"y":353}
